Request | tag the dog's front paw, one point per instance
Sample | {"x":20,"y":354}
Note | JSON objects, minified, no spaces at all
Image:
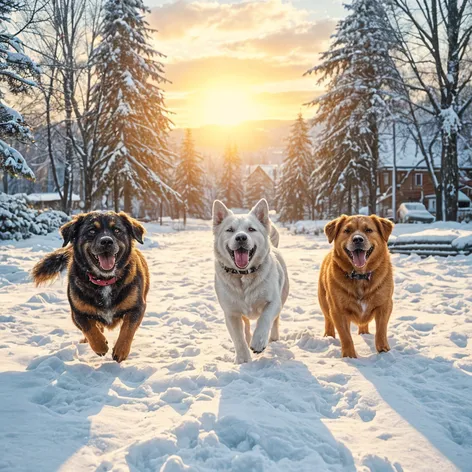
{"x":259,"y":342}
{"x":121,"y":351}
{"x":349,"y":352}
{"x":99,"y":345}
{"x":382,"y":347}
{"x":242,"y":358}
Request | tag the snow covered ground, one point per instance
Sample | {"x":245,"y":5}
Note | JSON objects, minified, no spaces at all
{"x":179,"y":403}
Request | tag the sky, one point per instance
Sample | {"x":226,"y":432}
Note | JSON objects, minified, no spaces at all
{"x":234,"y":61}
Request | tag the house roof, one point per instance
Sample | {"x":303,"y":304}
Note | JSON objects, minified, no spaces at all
{"x":461,"y":196}
{"x":270,"y":169}
{"x":408,"y":155}
{"x":48,"y":197}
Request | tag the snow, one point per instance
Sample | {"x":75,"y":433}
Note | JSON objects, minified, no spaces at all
{"x":434,"y":235}
{"x":180,"y":404}
{"x":48,"y":197}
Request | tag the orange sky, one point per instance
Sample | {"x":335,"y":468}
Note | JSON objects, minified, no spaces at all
{"x":231,"y":61}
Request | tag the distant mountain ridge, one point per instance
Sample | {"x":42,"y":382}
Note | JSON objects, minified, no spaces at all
{"x":261,"y":141}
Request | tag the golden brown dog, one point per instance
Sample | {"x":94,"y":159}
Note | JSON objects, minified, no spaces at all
{"x":108,"y":278}
{"x":356,"y":280}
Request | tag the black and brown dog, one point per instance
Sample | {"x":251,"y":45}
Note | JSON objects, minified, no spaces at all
{"x":108,"y":278}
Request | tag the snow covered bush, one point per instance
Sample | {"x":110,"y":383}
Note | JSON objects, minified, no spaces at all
{"x":19,"y":221}
{"x":18,"y":74}
{"x":314,"y":227}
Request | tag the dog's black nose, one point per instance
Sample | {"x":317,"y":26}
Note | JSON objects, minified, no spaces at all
{"x":357,"y":239}
{"x":241,"y":238}
{"x":106,"y":241}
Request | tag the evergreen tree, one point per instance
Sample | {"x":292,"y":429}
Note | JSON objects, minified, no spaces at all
{"x":18,"y":74}
{"x":359,"y":74}
{"x":258,"y":185}
{"x":189,"y":179}
{"x":133,"y":121}
{"x":231,"y":188}
{"x":255,"y":190}
{"x":293,"y":188}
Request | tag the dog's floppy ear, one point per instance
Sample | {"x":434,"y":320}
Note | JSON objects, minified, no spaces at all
{"x":332,"y":228}
{"x":134,"y":227}
{"x":384,"y":226}
{"x":261,"y":212}
{"x":220,"y":212}
{"x":70,"y":230}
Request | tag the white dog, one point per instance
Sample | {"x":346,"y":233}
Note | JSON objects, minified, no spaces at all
{"x":251,"y":278}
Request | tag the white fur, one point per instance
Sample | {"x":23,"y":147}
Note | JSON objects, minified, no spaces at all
{"x":259,"y":295}
{"x":107,"y":314}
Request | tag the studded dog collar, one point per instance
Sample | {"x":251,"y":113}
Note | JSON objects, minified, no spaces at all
{"x":356,"y":276}
{"x":230,"y":270}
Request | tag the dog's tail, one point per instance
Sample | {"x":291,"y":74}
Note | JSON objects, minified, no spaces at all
{"x":274,"y":236}
{"x":51,"y":266}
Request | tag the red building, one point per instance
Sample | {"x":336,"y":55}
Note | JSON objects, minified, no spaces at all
{"x":414,"y":184}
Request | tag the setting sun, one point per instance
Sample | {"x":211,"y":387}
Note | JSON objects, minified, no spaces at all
{"x":227,"y":106}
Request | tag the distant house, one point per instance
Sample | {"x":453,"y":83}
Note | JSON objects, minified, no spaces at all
{"x":260,"y":183}
{"x":414,"y":183}
{"x":49,"y":200}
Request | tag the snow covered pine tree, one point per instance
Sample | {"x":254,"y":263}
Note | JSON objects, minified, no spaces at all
{"x":292,"y":189}
{"x":134,"y":122}
{"x":357,"y":69}
{"x":18,"y":73}
{"x":231,"y":186}
{"x":189,"y":179}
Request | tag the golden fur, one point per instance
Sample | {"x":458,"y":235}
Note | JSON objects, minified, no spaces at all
{"x":344,"y":300}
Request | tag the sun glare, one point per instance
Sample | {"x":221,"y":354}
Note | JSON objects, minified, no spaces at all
{"x":227,"y":107}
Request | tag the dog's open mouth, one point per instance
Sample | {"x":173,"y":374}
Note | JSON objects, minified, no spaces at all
{"x":242,"y":257}
{"x":106,"y":261}
{"x":359,"y":257}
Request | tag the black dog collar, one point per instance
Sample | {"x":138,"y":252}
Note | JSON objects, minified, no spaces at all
{"x":230,"y":270}
{"x":355,"y":276}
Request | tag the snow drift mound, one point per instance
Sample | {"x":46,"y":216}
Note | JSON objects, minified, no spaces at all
{"x":18,"y":221}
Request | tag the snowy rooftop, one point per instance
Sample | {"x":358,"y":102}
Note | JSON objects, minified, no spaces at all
{"x":48,"y":197}
{"x":270,"y":169}
{"x":408,"y":155}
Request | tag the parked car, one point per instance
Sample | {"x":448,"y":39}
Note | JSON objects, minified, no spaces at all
{"x":414,"y":213}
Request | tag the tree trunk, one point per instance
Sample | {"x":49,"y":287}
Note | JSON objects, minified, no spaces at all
{"x":374,"y":167}
{"x":357,"y":199}
{"x":127,"y":197}
{"x":65,"y":188}
{"x":5,"y":181}
{"x":185,"y":216}
{"x":439,"y":203}
{"x":449,"y":176}
{"x":69,"y":203}
{"x":160,"y":212}
{"x":116,"y":194}
{"x":349,"y":199}
{"x":69,"y":146}
{"x":87,"y":191}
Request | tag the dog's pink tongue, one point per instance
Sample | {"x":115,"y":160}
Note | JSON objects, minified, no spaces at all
{"x":106,"y":262}
{"x":241,"y":258}
{"x":359,"y":258}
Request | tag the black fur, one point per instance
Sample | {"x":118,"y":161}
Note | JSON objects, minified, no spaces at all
{"x":95,"y":305}
{"x":52,"y":265}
